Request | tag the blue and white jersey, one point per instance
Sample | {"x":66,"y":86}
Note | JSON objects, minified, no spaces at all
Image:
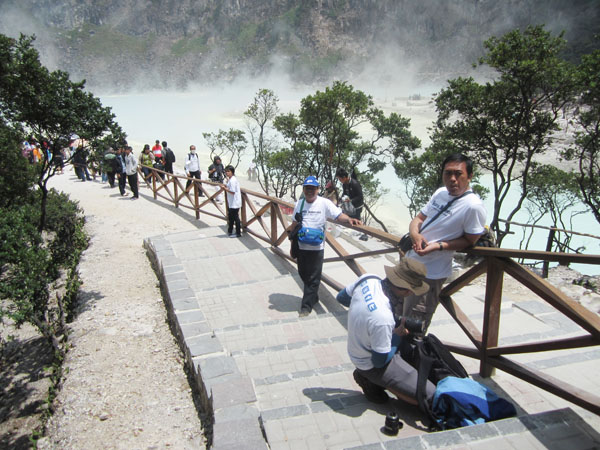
{"x":370,"y":322}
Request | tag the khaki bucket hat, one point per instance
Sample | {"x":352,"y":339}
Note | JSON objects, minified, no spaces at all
{"x":408,"y":274}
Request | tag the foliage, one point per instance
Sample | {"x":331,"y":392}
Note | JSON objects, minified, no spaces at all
{"x":48,"y":106}
{"x":325,"y":135}
{"x":228,"y":145}
{"x":30,"y":262}
{"x":505,"y":124}
{"x":17,"y":176}
{"x":586,"y":150}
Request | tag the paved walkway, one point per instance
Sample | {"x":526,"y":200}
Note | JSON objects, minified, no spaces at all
{"x":271,"y":379}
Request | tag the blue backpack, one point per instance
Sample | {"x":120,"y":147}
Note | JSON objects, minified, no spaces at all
{"x":459,"y":402}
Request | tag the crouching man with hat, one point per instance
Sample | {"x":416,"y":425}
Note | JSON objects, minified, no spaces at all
{"x":374,"y":338}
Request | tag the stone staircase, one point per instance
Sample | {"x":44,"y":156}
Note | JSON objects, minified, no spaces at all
{"x":266,"y":378}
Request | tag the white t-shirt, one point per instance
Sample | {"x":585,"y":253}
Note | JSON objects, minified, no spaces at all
{"x":234,"y":200}
{"x":466,"y":215}
{"x":370,"y":322}
{"x":192,"y":164}
{"x":315,"y":215}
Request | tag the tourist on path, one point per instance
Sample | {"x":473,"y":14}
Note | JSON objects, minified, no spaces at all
{"x":168,"y":156}
{"x":131,"y":170}
{"x":216,"y":173}
{"x":352,"y":194}
{"x":453,"y":219}
{"x":234,"y":202}
{"x":192,"y":167}
{"x":314,"y":211}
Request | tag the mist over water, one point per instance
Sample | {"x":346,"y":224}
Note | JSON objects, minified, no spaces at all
{"x":180,"y":118}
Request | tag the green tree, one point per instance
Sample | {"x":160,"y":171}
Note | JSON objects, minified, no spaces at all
{"x":259,"y":117}
{"x":228,"y":145}
{"x":586,"y":150}
{"x":505,"y":124}
{"x":48,"y":106}
{"x":325,"y":136}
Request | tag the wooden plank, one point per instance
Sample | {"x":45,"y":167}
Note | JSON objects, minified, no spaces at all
{"x":284,"y":223}
{"x":462,"y":350}
{"x":474,"y":272}
{"x":360,"y":255}
{"x":582,"y":398}
{"x":331,"y":282}
{"x":583,"y":317}
{"x":257,"y":217}
{"x":539,"y":255}
{"x":462,"y":320}
{"x":273,"y":222}
{"x":544,"y":346}
{"x":353,"y":265}
{"x":491,"y":312}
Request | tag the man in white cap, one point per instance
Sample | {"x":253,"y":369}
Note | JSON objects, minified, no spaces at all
{"x":374,"y":338}
{"x":314,"y":211}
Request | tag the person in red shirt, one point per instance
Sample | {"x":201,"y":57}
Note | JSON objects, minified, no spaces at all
{"x":157,"y":151}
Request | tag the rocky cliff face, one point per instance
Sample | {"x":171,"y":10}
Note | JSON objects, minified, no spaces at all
{"x":161,"y":43}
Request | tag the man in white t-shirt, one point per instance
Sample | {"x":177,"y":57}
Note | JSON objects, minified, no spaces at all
{"x":314,"y":211}
{"x":374,"y":338}
{"x":192,"y":167}
{"x":459,"y":226}
{"x":234,"y":202}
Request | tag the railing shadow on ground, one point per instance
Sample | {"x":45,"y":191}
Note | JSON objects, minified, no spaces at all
{"x":268,"y":219}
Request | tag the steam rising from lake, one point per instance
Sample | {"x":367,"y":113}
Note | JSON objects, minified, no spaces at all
{"x":180,"y":118}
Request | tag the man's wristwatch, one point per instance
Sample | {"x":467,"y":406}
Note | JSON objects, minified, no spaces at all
{"x":441,"y":246}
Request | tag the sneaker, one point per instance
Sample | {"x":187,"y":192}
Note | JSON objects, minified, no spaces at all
{"x":373,"y":392}
{"x":233,"y":235}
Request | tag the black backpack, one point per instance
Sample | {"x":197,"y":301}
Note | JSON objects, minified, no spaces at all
{"x":434,"y":362}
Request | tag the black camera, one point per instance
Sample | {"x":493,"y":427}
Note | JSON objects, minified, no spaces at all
{"x":411,"y":324}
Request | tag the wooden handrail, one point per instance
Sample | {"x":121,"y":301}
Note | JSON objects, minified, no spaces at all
{"x":263,"y":218}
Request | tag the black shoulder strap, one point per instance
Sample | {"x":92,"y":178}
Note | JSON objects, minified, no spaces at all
{"x":425,"y":365}
{"x":446,"y":206}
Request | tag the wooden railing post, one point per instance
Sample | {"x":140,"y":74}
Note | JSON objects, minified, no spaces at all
{"x":274,"y":223}
{"x":491,"y":314}
{"x":546,"y":263}
{"x":196,"y":200}
{"x":153,"y":185}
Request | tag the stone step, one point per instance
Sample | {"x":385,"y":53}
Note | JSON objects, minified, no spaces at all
{"x":559,"y":429}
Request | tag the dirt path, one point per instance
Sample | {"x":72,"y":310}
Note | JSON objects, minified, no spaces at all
{"x":125,"y":386}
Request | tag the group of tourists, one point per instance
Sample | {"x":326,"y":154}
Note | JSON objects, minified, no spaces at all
{"x":34,"y":152}
{"x":378,"y":308}
{"x":453,"y":219}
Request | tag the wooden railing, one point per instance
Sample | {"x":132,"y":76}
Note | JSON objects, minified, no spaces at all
{"x":267,"y":218}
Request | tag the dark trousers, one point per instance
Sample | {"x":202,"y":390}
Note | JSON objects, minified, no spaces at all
{"x":133,"y":184}
{"x":111,"y":178}
{"x":310,"y":266}
{"x":80,"y":173}
{"x":234,"y":218}
{"x":146,"y":172}
{"x":122,"y":181}
{"x":195,"y":174}
{"x":169,"y":167}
